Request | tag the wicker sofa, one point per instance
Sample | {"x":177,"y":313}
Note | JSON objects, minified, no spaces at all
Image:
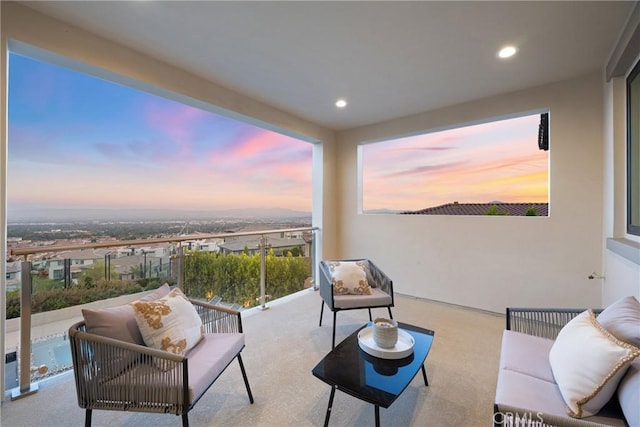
{"x":527,"y":393}
{"x":116,"y":374}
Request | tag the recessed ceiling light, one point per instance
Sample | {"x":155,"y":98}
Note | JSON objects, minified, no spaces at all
{"x":341,"y":103}
{"x":507,"y":52}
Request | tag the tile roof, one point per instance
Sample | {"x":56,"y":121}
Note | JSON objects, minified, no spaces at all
{"x":455,"y":208}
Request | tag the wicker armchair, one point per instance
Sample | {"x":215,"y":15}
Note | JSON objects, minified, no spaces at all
{"x":117,"y":375}
{"x":382,"y":296}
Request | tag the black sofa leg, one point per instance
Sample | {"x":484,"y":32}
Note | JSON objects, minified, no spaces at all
{"x":321,"y":311}
{"x":87,"y":418}
{"x":246,"y":380}
{"x":390,"y":315}
{"x":185,"y":420}
{"x":370,"y":318}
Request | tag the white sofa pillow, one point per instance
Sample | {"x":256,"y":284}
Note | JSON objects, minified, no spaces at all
{"x":622,"y":319}
{"x":588,"y":362}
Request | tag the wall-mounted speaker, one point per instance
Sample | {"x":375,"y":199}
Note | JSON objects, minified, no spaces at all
{"x":543,"y":132}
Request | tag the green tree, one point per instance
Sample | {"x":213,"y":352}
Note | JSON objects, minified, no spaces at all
{"x":493,"y":210}
{"x":531,"y":211}
{"x":91,"y":275}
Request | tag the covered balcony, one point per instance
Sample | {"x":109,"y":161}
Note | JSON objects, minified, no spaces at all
{"x":454,"y":275}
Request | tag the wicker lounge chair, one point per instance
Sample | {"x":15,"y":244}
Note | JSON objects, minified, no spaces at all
{"x":117,"y":375}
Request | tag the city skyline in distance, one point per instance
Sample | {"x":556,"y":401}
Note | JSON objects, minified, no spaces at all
{"x":43,"y":215}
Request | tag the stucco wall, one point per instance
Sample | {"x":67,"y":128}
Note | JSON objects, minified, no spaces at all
{"x":30,"y":32}
{"x":621,"y":260}
{"x":494,"y":262}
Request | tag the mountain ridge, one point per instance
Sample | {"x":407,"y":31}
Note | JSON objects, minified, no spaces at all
{"x":96,"y":214}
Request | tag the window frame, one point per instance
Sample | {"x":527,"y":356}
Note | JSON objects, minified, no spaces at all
{"x":543,"y":142}
{"x":633,"y":150}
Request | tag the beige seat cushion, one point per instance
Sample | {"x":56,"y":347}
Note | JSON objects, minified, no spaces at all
{"x":377,"y":298}
{"x":206,"y":362}
{"x":526,"y":354}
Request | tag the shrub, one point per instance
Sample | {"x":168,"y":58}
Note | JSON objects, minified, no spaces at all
{"x":236,"y":278}
{"x":57,"y":298}
{"x":493,"y":210}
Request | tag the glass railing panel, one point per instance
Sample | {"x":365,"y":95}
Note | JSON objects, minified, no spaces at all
{"x":239,"y":271}
{"x":231,"y":275}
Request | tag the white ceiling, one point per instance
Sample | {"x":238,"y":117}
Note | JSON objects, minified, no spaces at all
{"x":388,"y":59}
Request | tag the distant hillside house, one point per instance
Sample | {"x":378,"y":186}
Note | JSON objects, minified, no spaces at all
{"x":79,"y":261}
{"x":510,"y":209}
{"x":278,"y":245}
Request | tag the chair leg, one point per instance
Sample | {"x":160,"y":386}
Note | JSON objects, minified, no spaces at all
{"x":185,"y":420}
{"x":390,"y":315}
{"x":321,"y":311}
{"x":87,"y":418}
{"x":333,"y":338}
{"x":246,"y":380}
{"x":370,"y":319}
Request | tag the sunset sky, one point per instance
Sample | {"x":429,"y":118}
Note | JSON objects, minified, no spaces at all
{"x":76,"y":141}
{"x":497,"y":161}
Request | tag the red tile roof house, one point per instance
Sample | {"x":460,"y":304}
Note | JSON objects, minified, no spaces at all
{"x":455,"y":208}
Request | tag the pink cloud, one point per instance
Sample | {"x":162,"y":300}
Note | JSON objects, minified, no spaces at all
{"x":175,"y":121}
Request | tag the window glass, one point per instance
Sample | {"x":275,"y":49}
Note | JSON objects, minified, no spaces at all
{"x":633,"y":151}
{"x":493,"y":168}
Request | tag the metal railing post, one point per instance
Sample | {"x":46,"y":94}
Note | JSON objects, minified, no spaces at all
{"x":263,"y":272}
{"x":180,"y":272}
{"x":25,"y":387}
{"x":314,"y":282}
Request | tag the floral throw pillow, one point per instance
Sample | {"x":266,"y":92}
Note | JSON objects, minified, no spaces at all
{"x":349,"y":278}
{"x":170,"y":323}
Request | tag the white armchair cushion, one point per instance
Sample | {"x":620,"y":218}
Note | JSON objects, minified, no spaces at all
{"x":588,"y":362}
{"x":349,"y":278}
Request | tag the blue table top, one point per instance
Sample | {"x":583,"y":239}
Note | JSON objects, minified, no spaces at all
{"x":372,"y":379}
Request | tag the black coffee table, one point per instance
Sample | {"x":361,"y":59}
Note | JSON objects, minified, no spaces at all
{"x":377,"y":381}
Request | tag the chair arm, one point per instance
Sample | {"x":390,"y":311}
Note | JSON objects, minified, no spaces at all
{"x":218,"y":319}
{"x":107,"y":374}
{"x":79,"y":335}
{"x":325,"y":285}
{"x":380,"y":279}
{"x":541,"y":322}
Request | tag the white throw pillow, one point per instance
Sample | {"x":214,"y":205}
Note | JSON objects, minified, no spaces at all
{"x":349,"y":277}
{"x":622,"y":319}
{"x":170,"y":323}
{"x":588,"y":362}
